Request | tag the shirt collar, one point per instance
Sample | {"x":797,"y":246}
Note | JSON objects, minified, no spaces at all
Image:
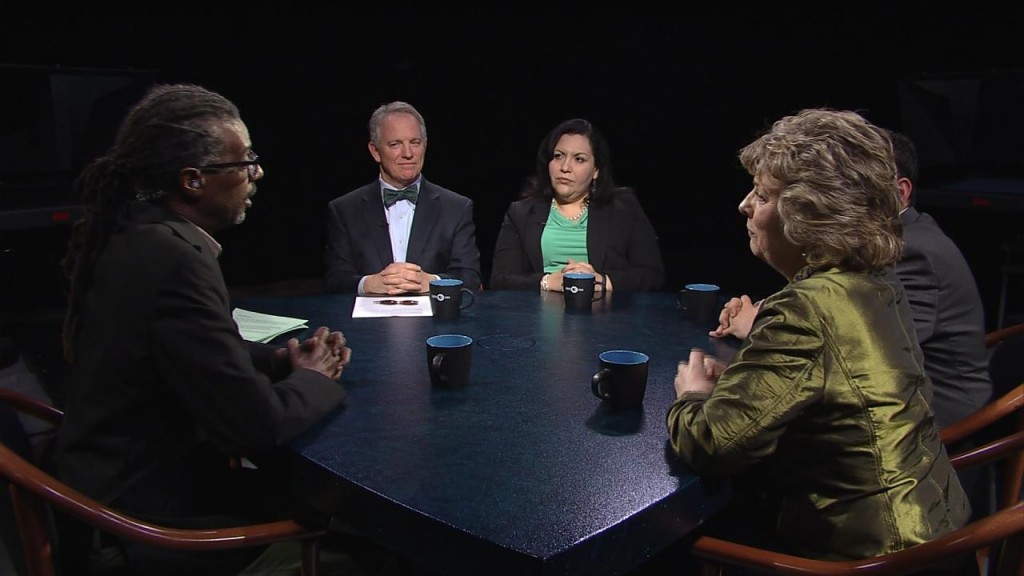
{"x":418,"y":183}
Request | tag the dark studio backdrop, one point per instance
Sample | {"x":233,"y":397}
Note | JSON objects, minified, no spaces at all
{"x":676,"y":93}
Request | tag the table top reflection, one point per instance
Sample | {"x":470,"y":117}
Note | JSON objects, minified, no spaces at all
{"x":523,"y":471}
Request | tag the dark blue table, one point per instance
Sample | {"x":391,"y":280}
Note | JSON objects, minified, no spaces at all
{"x":522,"y":472}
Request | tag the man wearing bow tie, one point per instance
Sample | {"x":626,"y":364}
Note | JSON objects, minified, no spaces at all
{"x":396,"y":234}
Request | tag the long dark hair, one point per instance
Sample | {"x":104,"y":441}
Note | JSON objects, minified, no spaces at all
{"x":172,"y":127}
{"x":539,"y":184}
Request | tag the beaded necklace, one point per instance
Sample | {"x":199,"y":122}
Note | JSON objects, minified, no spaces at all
{"x":576,"y":218}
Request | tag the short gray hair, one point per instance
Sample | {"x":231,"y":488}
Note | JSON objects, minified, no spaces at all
{"x":396,"y":107}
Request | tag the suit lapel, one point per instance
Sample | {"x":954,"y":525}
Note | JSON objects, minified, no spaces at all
{"x":372,"y":208}
{"x":536,"y":220}
{"x":598,"y":230}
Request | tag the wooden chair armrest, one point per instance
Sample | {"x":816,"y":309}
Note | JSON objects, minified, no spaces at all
{"x":989,"y":452}
{"x":997,"y":336}
{"x":106,"y":519}
{"x":976,"y":535}
{"x":32,"y":406}
{"x":1009,"y":402}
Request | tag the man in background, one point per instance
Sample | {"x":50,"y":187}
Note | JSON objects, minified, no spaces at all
{"x":948,"y":313}
{"x":396,"y":234}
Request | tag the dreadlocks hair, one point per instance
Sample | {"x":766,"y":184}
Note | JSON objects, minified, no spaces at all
{"x":172,"y":127}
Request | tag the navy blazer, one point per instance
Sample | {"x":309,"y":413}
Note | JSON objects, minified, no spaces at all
{"x":948,"y":317}
{"x":442,"y":240}
{"x":621,"y":244}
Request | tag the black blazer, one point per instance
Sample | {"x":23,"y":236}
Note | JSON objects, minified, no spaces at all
{"x":442,"y":240}
{"x":163,"y":382}
{"x":621,"y":243}
{"x":948,"y":317}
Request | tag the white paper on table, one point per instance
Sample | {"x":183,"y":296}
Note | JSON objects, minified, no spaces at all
{"x":257,"y":327}
{"x":371,"y":307}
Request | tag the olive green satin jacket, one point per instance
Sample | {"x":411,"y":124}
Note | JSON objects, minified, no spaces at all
{"x":825,"y":410}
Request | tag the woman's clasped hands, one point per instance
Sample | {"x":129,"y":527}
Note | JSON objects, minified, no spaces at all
{"x":554,"y":280}
{"x":736,"y":318}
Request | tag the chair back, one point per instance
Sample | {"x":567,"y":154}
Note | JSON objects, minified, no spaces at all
{"x":36,"y":498}
{"x":1006,"y":350}
{"x":1005,"y":413}
{"x":26,"y":525}
{"x":1006,"y":369}
{"x":13,"y":435}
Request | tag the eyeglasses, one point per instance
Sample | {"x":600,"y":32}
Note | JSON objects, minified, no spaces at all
{"x":396,"y":302}
{"x":252,"y":165}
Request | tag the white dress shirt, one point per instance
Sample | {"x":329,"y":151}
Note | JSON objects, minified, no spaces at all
{"x":399,"y":217}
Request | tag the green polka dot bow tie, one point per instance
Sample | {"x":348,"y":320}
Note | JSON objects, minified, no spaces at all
{"x":409,"y":193}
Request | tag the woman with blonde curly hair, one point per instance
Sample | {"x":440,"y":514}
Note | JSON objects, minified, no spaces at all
{"x":822,"y":419}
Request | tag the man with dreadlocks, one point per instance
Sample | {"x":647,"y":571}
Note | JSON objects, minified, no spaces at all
{"x":164,"y":390}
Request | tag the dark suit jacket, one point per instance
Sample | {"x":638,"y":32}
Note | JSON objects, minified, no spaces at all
{"x":621,"y":243}
{"x":164,"y":387}
{"x":948,"y":317}
{"x":442,"y":240}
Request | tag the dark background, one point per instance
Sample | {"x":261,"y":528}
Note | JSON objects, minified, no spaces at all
{"x":677,"y":92}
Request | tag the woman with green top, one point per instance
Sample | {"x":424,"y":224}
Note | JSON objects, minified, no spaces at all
{"x":574,"y":218}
